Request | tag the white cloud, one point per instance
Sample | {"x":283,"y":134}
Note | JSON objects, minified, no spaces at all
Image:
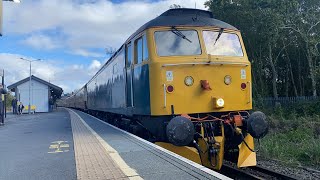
{"x":95,"y":65}
{"x":85,"y":53}
{"x":86,"y":24}
{"x":69,"y":77}
{"x":41,"y":41}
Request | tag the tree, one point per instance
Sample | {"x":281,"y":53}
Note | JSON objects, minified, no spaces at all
{"x":9,"y":98}
{"x":305,"y":22}
{"x":282,"y":42}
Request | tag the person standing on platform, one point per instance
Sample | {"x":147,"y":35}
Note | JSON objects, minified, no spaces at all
{"x":20,"y":108}
{"x":14,"y":104}
{"x":51,"y":103}
{"x":2,"y":92}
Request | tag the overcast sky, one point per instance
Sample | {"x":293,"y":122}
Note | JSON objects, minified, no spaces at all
{"x":70,"y":36}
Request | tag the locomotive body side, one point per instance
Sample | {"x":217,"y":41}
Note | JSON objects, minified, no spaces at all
{"x":80,"y":99}
{"x":122,"y":86}
{"x":106,"y":90}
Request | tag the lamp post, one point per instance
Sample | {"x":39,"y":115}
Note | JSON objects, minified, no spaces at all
{"x":30,"y":61}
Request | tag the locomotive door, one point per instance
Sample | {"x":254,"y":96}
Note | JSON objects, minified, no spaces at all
{"x":129,"y":75}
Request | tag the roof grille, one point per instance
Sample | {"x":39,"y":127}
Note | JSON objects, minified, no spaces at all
{"x":188,"y":12}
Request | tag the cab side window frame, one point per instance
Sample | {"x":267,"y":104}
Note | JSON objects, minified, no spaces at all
{"x":141,"y":49}
{"x":129,"y":55}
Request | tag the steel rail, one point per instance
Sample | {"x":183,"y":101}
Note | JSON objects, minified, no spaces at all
{"x":236,"y":173}
{"x":254,"y":172}
{"x":273,"y":173}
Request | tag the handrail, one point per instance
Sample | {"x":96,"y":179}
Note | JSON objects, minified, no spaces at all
{"x":165,"y":95}
{"x":250,"y":92}
{"x":207,"y":63}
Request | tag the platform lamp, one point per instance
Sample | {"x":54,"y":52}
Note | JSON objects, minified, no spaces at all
{"x":30,"y":61}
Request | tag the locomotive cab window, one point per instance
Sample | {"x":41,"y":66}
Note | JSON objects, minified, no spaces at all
{"x":141,"y":49}
{"x":177,"y":42}
{"x":225,"y":44}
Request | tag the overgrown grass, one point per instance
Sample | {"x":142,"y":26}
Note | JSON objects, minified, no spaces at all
{"x":294,"y":136}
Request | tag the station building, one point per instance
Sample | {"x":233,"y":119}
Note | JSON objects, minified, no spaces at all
{"x":41,"y":93}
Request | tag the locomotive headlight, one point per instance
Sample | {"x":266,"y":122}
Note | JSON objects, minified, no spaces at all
{"x":188,"y":81}
{"x":219,"y":102}
{"x":227,"y":80}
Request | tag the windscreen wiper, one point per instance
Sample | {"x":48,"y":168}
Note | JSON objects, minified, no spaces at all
{"x":175,"y":31}
{"x":220,"y":32}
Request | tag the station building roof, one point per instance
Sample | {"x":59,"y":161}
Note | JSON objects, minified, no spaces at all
{"x":55,"y":90}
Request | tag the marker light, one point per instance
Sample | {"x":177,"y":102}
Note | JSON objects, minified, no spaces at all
{"x":205,"y":85}
{"x":188,"y":81}
{"x":170,"y":88}
{"x":243,"y":86}
{"x":227,"y":80}
{"x":220,"y":102}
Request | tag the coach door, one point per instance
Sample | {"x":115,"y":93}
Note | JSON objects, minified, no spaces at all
{"x":129,"y":75}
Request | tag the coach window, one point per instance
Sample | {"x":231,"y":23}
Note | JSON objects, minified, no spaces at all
{"x":129,"y":55}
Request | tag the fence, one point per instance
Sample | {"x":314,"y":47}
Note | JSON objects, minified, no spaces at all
{"x":271,"y":101}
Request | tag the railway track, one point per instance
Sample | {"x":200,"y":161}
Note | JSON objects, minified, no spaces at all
{"x":254,"y":172}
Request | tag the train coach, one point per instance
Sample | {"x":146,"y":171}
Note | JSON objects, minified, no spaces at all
{"x":183,"y":81}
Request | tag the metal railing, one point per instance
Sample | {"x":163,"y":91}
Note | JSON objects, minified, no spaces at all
{"x":271,"y":101}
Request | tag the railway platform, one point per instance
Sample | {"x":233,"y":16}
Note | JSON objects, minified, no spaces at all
{"x":69,"y":144}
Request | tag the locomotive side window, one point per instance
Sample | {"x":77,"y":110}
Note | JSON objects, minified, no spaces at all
{"x":129,"y":55}
{"x":139,"y":51}
{"x":226,"y":44}
{"x":145,"y":48}
{"x":177,"y":43}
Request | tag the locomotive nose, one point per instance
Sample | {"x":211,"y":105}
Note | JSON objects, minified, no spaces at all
{"x":257,"y":125}
{"x":180,"y":131}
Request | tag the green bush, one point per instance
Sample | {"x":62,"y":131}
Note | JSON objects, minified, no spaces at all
{"x":293,"y":139}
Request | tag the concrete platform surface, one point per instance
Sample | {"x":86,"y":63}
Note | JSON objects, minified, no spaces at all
{"x":28,"y":144}
{"x":69,"y":144}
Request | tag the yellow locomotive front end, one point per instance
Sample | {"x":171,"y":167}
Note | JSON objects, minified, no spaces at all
{"x":201,"y":77}
{"x":221,"y":64}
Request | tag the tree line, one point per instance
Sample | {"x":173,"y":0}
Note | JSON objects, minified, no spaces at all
{"x":282,"y":41}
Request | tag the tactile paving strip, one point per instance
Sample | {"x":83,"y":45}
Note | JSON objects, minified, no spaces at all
{"x":92,"y":161}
